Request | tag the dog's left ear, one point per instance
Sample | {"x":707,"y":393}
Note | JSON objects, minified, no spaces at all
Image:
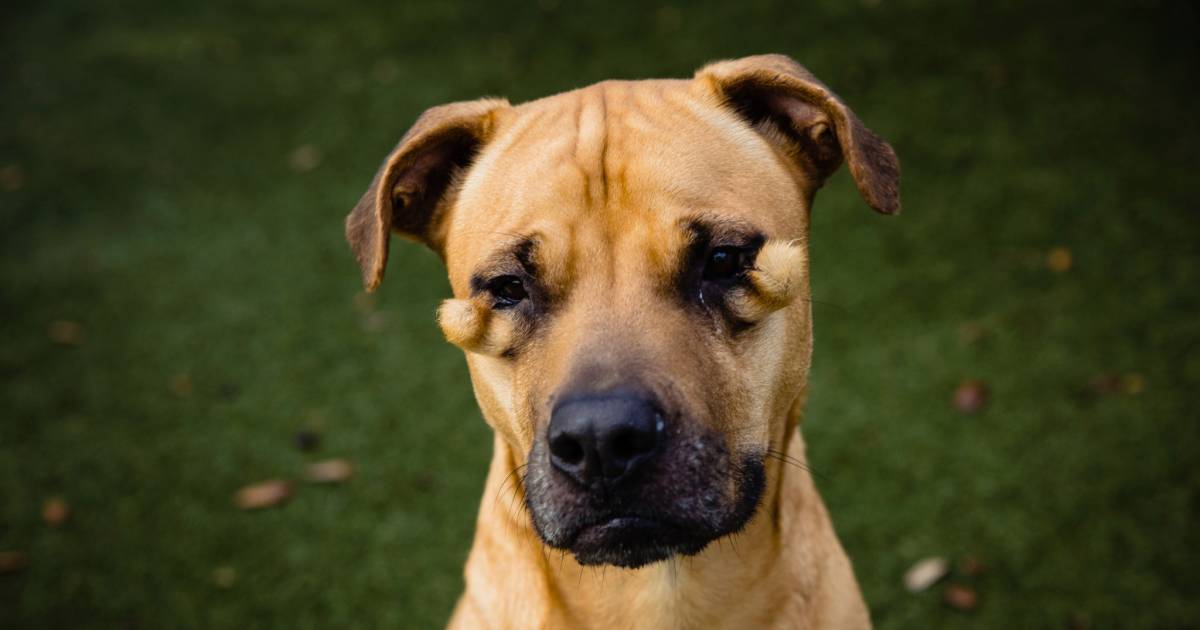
{"x":786,"y":103}
{"x":408,"y":193}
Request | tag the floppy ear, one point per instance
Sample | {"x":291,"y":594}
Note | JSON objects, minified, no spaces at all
{"x":789,"y":105}
{"x":407,"y":193}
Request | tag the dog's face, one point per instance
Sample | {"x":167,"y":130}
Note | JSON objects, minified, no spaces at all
{"x":629,"y":268}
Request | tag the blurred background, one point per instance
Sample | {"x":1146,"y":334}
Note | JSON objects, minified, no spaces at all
{"x":1005,"y":375}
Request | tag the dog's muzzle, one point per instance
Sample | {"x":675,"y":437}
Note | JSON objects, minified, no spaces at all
{"x":618,"y":480}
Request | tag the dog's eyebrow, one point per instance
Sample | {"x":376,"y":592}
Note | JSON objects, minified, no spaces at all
{"x":517,"y":257}
{"x":721,"y":231}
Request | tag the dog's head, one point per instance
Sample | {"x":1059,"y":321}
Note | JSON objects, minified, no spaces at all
{"x":629,"y":266}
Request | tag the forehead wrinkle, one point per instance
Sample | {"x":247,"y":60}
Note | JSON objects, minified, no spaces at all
{"x":591,"y":143}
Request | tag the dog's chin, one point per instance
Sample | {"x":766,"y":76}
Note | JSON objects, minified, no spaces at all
{"x":632,"y":542}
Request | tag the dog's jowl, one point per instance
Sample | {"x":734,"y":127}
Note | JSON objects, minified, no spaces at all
{"x":629,"y":265}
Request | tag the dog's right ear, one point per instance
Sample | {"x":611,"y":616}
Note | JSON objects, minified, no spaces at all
{"x":407,"y":193}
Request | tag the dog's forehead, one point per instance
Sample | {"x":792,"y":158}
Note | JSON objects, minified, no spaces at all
{"x":624,"y":158}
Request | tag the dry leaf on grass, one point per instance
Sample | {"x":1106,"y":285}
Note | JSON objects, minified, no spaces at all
{"x":925,"y":573}
{"x":12,"y":561}
{"x":330,"y":471}
{"x":65,"y":332}
{"x":960,"y":597}
{"x":55,"y":511}
{"x":1106,"y":384}
{"x":181,"y":385}
{"x":224,"y":576}
{"x":1059,"y":260}
{"x":1130,"y":384}
{"x":308,"y":440}
{"x":264,"y":494}
{"x":970,"y":333}
{"x":971,"y":566}
{"x":304,"y":158}
{"x":12,"y":177}
{"x":971,"y":396}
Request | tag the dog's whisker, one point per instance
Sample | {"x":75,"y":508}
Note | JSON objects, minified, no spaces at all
{"x":788,"y":459}
{"x":519,"y":510}
{"x":504,"y":483}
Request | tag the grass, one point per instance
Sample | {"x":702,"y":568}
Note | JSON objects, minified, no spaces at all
{"x":149,"y":194}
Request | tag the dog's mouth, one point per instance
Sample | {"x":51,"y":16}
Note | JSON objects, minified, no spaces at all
{"x":632,"y":541}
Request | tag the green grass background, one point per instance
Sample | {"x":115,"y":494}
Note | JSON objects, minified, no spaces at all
{"x":149,"y":196}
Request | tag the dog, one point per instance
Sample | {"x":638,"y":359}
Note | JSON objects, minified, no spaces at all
{"x":629,"y":267}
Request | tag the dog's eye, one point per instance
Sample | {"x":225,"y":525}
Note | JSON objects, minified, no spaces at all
{"x":726,"y":263}
{"x":508,"y":291}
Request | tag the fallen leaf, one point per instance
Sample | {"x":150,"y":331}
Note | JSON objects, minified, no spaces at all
{"x":960,"y":597}
{"x":425,"y":482}
{"x":65,"y":332}
{"x":997,"y":75}
{"x":12,"y":178}
{"x":55,"y":511}
{"x":228,"y":391}
{"x":1130,"y":384}
{"x":224,"y":576}
{"x":1106,"y":384}
{"x":12,"y":561}
{"x":308,"y":440}
{"x":330,"y":471}
{"x":971,"y":396}
{"x":970,"y":566}
{"x":181,"y":385}
{"x":1059,"y":260}
{"x":264,"y":494}
{"x":971,"y":333}
{"x":305,"y":158}
{"x":925,"y":573}
{"x":375,"y":322}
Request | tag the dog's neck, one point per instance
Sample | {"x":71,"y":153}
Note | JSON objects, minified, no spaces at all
{"x":722,"y":586}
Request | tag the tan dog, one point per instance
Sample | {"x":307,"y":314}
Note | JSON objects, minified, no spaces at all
{"x":629,"y":266}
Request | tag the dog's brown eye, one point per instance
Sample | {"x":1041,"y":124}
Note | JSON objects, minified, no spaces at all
{"x":725,"y":263}
{"x":509,"y":290}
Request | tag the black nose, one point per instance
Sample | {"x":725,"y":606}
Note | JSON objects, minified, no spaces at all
{"x":604,"y":438}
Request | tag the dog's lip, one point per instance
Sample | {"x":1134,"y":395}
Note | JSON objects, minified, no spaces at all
{"x":631,"y":541}
{"x":618,"y":526}
{"x":623,"y":520}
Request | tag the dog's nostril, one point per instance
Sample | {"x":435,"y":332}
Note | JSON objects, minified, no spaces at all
{"x":567,"y":449}
{"x":630,"y":442}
